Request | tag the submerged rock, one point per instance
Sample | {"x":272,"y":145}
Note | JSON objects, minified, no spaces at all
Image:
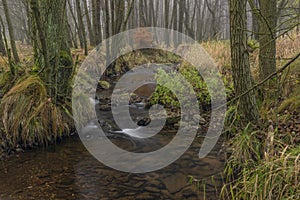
{"x":172,"y":120}
{"x":144,"y":122}
{"x":198,"y":118}
{"x":173,"y":184}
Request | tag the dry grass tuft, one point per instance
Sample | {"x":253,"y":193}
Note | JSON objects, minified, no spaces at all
{"x":288,"y":46}
{"x":276,"y":179}
{"x":220,"y":52}
{"x":29,"y":117}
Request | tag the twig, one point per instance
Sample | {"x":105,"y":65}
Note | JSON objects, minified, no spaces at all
{"x":262,"y":82}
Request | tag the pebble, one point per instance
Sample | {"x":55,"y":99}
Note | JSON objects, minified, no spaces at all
{"x":198,"y":118}
{"x":104,"y":107}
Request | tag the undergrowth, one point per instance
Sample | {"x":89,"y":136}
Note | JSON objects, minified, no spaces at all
{"x":29,"y":117}
{"x":260,"y":164}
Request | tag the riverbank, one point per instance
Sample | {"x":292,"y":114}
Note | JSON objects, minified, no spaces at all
{"x":251,"y":151}
{"x":68,"y":171}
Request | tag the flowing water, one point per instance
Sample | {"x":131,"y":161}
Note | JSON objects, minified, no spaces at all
{"x":68,"y":171}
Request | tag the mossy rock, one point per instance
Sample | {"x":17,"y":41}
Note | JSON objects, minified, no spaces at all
{"x":104,"y":85}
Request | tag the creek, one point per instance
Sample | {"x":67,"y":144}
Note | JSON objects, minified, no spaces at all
{"x":68,"y":171}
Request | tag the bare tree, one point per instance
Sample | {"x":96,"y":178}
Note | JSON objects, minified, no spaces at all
{"x":89,"y":24}
{"x":240,"y":60}
{"x":52,"y":46}
{"x":266,"y":14}
{"x":2,"y":45}
{"x":81,"y":28}
{"x":96,"y":16}
{"x":11,"y":31}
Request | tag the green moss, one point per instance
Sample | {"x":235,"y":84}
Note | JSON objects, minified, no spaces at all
{"x":65,"y":59}
{"x":191,"y":75}
{"x":104,"y":85}
{"x":253,"y":44}
{"x":164,"y":96}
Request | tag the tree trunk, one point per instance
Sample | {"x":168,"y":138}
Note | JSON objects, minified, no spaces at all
{"x":255,"y":21}
{"x":58,"y":66}
{"x":203,"y":14}
{"x":181,"y":18}
{"x":175,"y":21}
{"x":128,"y":14}
{"x":189,"y":23}
{"x":142,"y":21}
{"x":76,"y":27}
{"x":112,"y":14}
{"x":2,"y":45}
{"x":199,"y":28}
{"x":107,"y":20}
{"x":166,"y":5}
{"x":107,"y":32}
{"x":298,"y":26}
{"x":73,"y":37}
{"x":11,"y":31}
{"x":120,"y":15}
{"x":41,"y":30}
{"x":151,"y":13}
{"x":267,"y":38}
{"x":81,"y":29}
{"x":240,"y":60}
{"x":89,"y":24}
{"x":212,"y":9}
{"x":96,"y":4}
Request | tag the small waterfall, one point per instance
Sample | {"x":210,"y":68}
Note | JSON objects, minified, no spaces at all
{"x":94,"y":101}
{"x":135,"y":133}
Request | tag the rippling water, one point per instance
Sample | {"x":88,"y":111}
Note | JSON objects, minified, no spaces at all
{"x":68,"y":172}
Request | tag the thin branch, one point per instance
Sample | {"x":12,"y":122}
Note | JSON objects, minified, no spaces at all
{"x":265,"y":80}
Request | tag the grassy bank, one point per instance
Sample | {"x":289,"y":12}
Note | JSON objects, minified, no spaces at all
{"x":262,"y":161}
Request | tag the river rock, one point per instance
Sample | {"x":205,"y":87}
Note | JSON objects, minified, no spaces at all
{"x":105,"y":107}
{"x":189,"y":193}
{"x":152,"y":189}
{"x":144,"y":122}
{"x":198,"y":118}
{"x":137,"y":184}
{"x":175,"y":182}
{"x":172,"y":120}
{"x":140,"y":105}
{"x":177,"y":125}
{"x":104,"y":85}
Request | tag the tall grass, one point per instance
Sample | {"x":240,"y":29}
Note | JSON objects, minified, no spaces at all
{"x":29,"y":117}
{"x":257,"y":169}
{"x":220,"y":52}
{"x":276,"y":179}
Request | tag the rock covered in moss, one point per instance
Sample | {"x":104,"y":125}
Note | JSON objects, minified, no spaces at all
{"x":104,"y":85}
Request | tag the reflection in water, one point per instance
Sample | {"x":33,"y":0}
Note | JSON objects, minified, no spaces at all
{"x":68,"y":171}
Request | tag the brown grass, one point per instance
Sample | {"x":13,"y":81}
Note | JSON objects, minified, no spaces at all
{"x":29,"y":117}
